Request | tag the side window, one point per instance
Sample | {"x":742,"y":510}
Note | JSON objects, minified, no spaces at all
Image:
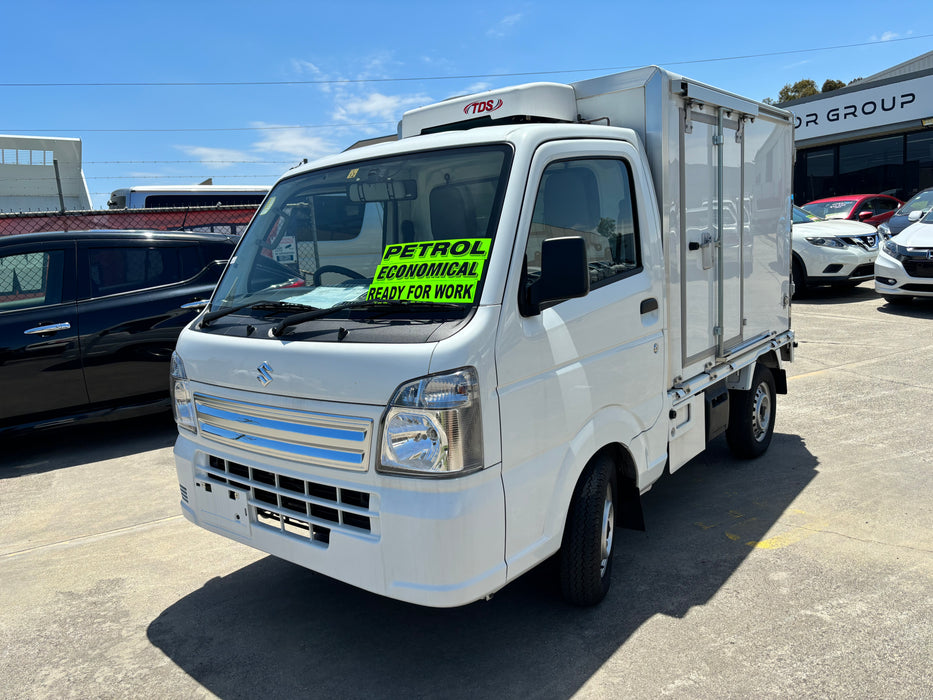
{"x":31,"y":280}
{"x":882,"y":205}
{"x":594,"y":199}
{"x":114,"y":270}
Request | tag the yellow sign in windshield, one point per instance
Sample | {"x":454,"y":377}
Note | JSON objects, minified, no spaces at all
{"x":432,"y":271}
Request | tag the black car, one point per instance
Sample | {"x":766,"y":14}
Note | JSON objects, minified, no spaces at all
{"x":910,"y":213}
{"x":89,"y":319}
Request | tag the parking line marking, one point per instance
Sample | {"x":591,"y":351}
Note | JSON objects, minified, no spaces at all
{"x":84,"y":538}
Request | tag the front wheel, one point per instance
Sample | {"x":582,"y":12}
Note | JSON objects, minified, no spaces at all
{"x":751,"y":416}
{"x":586,"y":551}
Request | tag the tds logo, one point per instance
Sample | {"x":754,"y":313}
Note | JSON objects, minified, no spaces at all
{"x":482,"y":106}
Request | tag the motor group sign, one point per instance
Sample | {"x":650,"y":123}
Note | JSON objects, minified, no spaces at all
{"x":433,"y":271}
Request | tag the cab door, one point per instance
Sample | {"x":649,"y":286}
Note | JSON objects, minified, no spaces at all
{"x":589,"y":371}
{"x":40,"y":361}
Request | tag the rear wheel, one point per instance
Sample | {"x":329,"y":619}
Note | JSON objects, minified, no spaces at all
{"x":586,"y":551}
{"x":751,"y":416}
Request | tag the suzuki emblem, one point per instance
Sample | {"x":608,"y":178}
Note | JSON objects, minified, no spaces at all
{"x":265,"y":373}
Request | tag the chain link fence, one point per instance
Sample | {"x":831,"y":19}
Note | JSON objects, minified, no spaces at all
{"x":218,"y":219}
{"x":26,"y":278}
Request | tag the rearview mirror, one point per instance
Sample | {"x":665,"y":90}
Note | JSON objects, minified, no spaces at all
{"x":382,"y":190}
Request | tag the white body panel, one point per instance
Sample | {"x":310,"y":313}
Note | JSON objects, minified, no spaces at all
{"x":623,"y":367}
{"x":913,"y":276}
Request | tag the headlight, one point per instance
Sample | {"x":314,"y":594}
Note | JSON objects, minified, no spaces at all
{"x":902,"y":252}
{"x":884,"y":230}
{"x":182,"y":403}
{"x":433,"y":426}
{"x":827,"y":242}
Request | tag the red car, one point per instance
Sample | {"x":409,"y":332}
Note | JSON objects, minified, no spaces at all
{"x":873,"y":209}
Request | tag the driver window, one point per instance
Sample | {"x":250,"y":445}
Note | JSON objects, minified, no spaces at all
{"x":594,"y":199}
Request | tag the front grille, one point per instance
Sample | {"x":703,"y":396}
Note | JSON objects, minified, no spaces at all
{"x":869,"y":242}
{"x":319,"y":439}
{"x":294,"y":505}
{"x":917,"y":288}
{"x":919,"y":268}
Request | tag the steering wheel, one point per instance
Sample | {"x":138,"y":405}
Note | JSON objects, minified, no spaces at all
{"x":352,"y":274}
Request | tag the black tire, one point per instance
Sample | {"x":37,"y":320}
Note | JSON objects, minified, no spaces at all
{"x":751,"y":416}
{"x":586,"y":551}
{"x":897,"y":299}
{"x":798,"y":275}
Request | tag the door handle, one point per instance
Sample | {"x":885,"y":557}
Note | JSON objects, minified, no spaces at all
{"x":649,"y":305}
{"x":51,"y":328}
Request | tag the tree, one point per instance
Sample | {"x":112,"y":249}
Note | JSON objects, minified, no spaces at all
{"x":802,"y":88}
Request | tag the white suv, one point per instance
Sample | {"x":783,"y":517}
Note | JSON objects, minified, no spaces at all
{"x":904,"y":268}
{"x":834,"y":252}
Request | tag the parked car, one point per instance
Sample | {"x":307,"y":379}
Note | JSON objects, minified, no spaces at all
{"x":904,"y":267}
{"x":871,"y":209}
{"x":837,"y":252}
{"x":915,"y":209}
{"x":89,"y":319}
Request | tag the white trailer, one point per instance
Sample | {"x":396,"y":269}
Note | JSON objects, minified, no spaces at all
{"x":434,"y":363}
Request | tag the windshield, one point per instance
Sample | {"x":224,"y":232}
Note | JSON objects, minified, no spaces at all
{"x":838,"y":209}
{"x":919,"y":202}
{"x":801,"y":216}
{"x":417,"y":227}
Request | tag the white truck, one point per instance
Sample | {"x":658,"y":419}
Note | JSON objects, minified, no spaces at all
{"x":434,"y":363}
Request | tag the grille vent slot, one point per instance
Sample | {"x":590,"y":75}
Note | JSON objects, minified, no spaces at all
{"x":297,"y":507}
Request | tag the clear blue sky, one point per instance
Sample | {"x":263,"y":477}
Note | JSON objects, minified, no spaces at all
{"x":398,"y":54}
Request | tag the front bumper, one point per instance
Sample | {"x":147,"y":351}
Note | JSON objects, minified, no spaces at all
{"x":893,"y":279}
{"x":826,"y":265}
{"x":433,"y":542}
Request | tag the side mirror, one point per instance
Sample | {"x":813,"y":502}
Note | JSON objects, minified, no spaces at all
{"x":915,"y":216}
{"x":564,"y":274}
{"x":867,"y":214}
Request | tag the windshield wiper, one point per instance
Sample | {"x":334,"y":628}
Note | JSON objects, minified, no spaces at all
{"x":269,"y":304}
{"x":387,"y":306}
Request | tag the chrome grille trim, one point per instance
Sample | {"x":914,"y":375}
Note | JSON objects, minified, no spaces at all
{"x":868,"y":241}
{"x":308,"y":437}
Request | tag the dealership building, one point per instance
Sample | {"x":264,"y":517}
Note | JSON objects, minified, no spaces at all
{"x":874,"y":136}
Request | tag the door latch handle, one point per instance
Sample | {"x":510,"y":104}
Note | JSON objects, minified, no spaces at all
{"x":649,"y":305}
{"x":51,"y":328}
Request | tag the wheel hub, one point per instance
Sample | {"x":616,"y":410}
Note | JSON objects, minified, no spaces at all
{"x":608,"y":525}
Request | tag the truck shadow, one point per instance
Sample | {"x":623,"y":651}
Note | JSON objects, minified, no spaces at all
{"x":41,"y":451}
{"x":277,"y":630}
